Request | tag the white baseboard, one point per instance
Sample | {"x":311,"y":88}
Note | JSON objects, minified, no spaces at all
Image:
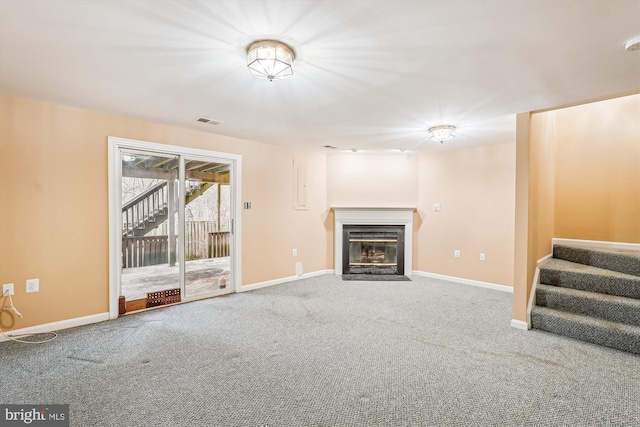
{"x":519,"y":324}
{"x":596,"y":243}
{"x":56,"y":326}
{"x":543,"y":259}
{"x":477,"y":283}
{"x":268,"y":283}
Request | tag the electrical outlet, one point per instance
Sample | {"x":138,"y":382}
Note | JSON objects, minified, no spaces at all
{"x":33,"y":285}
{"x":482,"y":256}
{"x":436,"y":207}
{"x":456,"y":253}
{"x":7,"y":289}
{"x":295,"y":252}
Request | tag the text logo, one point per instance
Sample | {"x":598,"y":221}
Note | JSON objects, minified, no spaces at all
{"x":34,"y":415}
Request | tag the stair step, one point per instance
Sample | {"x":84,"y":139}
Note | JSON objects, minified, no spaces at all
{"x":622,"y":260}
{"x":607,"y":307}
{"x":573,"y":275}
{"x":584,"y":328}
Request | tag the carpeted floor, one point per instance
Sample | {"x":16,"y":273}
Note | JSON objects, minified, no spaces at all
{"x":327,"y":352}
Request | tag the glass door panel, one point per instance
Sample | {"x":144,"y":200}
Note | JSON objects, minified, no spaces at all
{"x":207,"y":236}
{"x":150,"y":203}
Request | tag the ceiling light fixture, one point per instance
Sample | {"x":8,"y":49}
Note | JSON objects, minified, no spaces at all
{"x":442,"y":133}
{"x":270,"y":59}
{"x":632,"y":44}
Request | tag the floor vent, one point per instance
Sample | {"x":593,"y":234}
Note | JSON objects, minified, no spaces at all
{"x":169,"y":296}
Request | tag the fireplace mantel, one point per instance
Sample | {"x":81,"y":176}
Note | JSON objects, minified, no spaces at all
{"x":379,"y":216}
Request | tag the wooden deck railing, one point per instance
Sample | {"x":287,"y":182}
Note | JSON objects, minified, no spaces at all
{"x":152,"y":250}
{"x":219,"y":244}
{"x":197,"y":239}
{"x":137,"y":212}
{"x":143,"y":251}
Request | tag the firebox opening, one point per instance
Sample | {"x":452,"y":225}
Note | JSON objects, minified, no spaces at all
{"x":373,"y":250}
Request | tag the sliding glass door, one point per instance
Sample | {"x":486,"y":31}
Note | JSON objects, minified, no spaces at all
{"x":207,"y":226}
{"x":173,"y":212}
{"x":150,"y":197}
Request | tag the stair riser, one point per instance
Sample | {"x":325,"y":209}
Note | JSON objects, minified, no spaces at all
{"x":608,"y":337}
{"x":629,"y":288}
{"x":596,"y":306}
{"x":611,"y":261}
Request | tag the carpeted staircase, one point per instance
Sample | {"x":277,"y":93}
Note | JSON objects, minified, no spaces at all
{"x":591,"y":294}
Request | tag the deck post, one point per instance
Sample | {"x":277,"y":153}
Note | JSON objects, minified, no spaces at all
{"x":171,"y":219}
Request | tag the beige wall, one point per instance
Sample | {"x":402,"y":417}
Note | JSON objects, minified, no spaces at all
{"x":476,"y":189}
{"x":535,"y":216}
{"x":372,"y":180}
{"x":521,"y":247}
{"x":597,"y":184}
{"x":54,"y":206}
{"x":542,"y":155}
{"x":272,"y":228}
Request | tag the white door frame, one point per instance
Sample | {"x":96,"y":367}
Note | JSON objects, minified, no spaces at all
{"x":115,"y":204}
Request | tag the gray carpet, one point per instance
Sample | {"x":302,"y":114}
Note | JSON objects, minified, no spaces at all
{"x":566,"y":274}
{"x":591,"y":294}
{"x":324,"y":352}
{"x":622,"y":260}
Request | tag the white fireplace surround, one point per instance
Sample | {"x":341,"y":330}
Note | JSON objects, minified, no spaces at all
{"x":374,"y":216}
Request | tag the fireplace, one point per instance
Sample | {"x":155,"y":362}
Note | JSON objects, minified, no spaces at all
{"x":373,"y":249}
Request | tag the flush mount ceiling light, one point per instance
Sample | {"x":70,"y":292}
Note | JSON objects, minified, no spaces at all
{"x":270,"y":59}
{"x":632,"y":44}
{"x":442,"y":133}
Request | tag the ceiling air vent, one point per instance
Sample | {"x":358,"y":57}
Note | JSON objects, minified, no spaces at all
{"x":209,"y":121}
{"x":330,"y":147}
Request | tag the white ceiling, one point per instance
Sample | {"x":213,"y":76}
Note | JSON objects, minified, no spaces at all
{"x":372,"y":75}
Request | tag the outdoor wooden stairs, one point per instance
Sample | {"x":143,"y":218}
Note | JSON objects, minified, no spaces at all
{"x":148,"y":210}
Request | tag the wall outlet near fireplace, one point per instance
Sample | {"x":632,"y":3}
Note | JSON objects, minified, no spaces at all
{"x":456,"y":253}
{"x":33,"y":285}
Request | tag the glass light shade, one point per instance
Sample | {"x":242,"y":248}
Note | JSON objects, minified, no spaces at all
{"x":442,"y":133}
{"x":270,"y":59}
